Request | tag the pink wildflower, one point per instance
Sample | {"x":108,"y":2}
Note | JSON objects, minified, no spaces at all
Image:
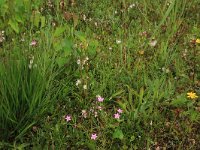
{"x":68,"y":118}
{"x":33,"y":43}
{"x":119,"y":111}
{"x":117,"y":116}
{"x":93,"y":136}
{"x":99,"y":98}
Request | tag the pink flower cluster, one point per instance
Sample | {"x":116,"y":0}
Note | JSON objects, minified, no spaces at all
{"x":94,"y":136}
{"x":117,"y":115}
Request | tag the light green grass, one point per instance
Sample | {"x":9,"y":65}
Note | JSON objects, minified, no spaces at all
{"x":149,"y":83}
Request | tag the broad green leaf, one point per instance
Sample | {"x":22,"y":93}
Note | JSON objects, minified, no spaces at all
{"x":179,"y":101}
{"x":92,"y":49}
{"x":81,"y":36}
{"x":27,"y":4}
{"x":132,"y":138}
{"x":75,"y":20}
{"x":91,"y":145}
{"x":18,"y":3}
{"x":59,"y":31}
{"x":42,"y":18}
{"x":57,"y":45}
{"x":194,"y":115}
{"x":118,"y":134}
{"x":14,"y":25}
{"x":37,"y":19}
{"x":2,"y":2}
{"x":61,"y":61}
{"x":67,"y":46}
{"x":19,"y":18}
{"x":4,"y":9}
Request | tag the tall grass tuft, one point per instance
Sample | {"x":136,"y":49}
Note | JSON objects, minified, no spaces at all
{"x":26,"y":93}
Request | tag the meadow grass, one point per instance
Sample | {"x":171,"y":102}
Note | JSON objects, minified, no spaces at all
{"x":100,"y":75}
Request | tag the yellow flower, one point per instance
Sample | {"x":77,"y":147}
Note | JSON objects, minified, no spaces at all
{"x":141,"y":52}
{"x":192,"y":95}
{"x":198,"y":41}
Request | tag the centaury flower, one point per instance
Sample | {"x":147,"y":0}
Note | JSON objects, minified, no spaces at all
{"x":117,"y":116}
{"x":33,"y":43}
{"x":68,"y":118}
{"x":120,"y":111}
{"x":192,"y":95}
{"x":99,"y":98}
{"x":93,"y":136}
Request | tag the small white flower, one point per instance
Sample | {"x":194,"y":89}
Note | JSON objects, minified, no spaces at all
{"x":53,"y":24}
{"x":98,"y":96}
{"x":75,"y":45}
{"x":78,"y":82}
{"x":95,"y":114}
{"x":118,"y":41}
{"x":84,"y":113}
{"x":115,"y":12}
{"x":31,"y":61}
{"x":86,"y":58}
{"x":99,"y":107}
{"x":30,"y":66}
{"x":110,"y":48}
{"x":78,"y":61}
{"x":2,"y":37}
{"x":84,"y":17}
{"x":153,"y":43}
{"x":167,"y":70}
{"x":92,"y":109}
{"x":85,"y":87}
{"x":132,"y":5}
{"x":151,"y":123}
